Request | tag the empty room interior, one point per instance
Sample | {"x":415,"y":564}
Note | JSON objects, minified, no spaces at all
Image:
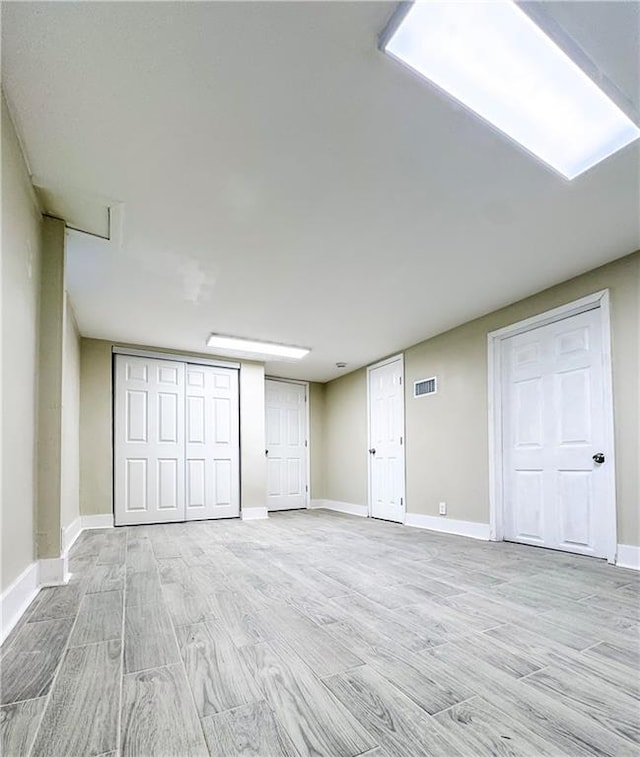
{"x":320,"y":379}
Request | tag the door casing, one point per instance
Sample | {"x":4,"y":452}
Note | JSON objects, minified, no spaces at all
{"x":597,"y":301}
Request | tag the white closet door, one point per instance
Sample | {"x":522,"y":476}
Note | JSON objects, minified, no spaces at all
{"x":286,"y":435}
{"x":149,"y":440}
{"x":212,"y":443}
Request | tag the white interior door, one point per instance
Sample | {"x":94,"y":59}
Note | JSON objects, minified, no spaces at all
{"x":286,"y":433}
{"x":149,"y":440}
{"x":555,"y":493}
{"x":386,"y":442}
{"x":212,"y":443}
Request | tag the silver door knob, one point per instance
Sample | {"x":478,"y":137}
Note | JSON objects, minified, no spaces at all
{"x":598,"y":458}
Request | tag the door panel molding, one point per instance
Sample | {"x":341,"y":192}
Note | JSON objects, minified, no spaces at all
{"x":599,"y":301}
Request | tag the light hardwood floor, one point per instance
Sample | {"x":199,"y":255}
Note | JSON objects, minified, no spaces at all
{"x":315,"y":633}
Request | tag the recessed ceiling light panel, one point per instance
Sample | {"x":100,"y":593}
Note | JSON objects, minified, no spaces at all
{"x":256,"y":347}
{"x":495,"y":60}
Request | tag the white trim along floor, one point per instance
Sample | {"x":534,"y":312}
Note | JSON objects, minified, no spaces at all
{"x":45,"y":572}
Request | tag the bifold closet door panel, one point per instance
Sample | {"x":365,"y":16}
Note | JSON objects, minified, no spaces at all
{"x":212,"y":443}
{"x":149,"y":440}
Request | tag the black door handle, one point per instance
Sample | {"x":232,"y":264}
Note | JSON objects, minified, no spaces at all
{"x":266,"y":452}
{"x":598,"y":458}
{"x":372,"y":451}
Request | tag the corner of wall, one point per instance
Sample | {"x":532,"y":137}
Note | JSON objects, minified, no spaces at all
{"x":253,"y":465}
{"x":96,"y":452}
{"x":50,"y":389}
{"x":70,"y":454}
{"x":346,"y":478}
{"x":317,"y":441}
{"x":21,"y":278}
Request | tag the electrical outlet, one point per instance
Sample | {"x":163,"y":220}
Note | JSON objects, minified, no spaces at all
{"x":443,"y":508}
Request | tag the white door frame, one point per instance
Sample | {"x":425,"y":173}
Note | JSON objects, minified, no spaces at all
{"x":370,"y":368}
{"x":597,"y":301}
{"x":178,"y":356}
{"x":308,"y":422}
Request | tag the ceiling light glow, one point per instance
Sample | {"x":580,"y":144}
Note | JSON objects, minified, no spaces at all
{"x":256,"y":347}
{"x":495,"y":60}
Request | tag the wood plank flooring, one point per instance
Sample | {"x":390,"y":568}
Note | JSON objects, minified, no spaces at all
{"x":316,"y":633}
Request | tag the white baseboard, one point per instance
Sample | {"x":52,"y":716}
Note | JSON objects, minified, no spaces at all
{"x":254,"y":513}
{"x":80,"y":524}
{"x":340,"y":507}
{"x":17,"y":597}
{"x":448,"y":526}
{"x":628,"y":557}
{"x":53,"y":570}
{"x":97,"y":521}
{"x":71,"y":533}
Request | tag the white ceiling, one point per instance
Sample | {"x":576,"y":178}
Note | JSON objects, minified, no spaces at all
{"x":280,"y":178}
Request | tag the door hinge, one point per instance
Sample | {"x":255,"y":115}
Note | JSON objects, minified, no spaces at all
{"x":401,"y":502}
{"x":400,"y":380}
{"x":306,"y":488}
{"x":306,"y":443}
{"x":401,"y":441}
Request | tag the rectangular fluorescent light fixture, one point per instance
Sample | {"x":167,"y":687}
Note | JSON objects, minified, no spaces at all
{"x":498,"y":63}
{"x":255,"y":347}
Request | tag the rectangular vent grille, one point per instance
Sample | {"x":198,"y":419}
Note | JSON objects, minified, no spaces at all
{"x":425,"y":386}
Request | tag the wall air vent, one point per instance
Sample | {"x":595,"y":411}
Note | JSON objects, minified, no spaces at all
{"x":425,"y":386}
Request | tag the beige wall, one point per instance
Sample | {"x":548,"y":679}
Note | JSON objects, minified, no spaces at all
{"x":317,"y":474}
{"x":446,"y":435}
{"x":253,"y":463}
{"x":345,"y":435}
{"x":20,"y":290}
{"x":96,"y":429}
{"x":70,"y":476}
{"x":51,"y":354}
